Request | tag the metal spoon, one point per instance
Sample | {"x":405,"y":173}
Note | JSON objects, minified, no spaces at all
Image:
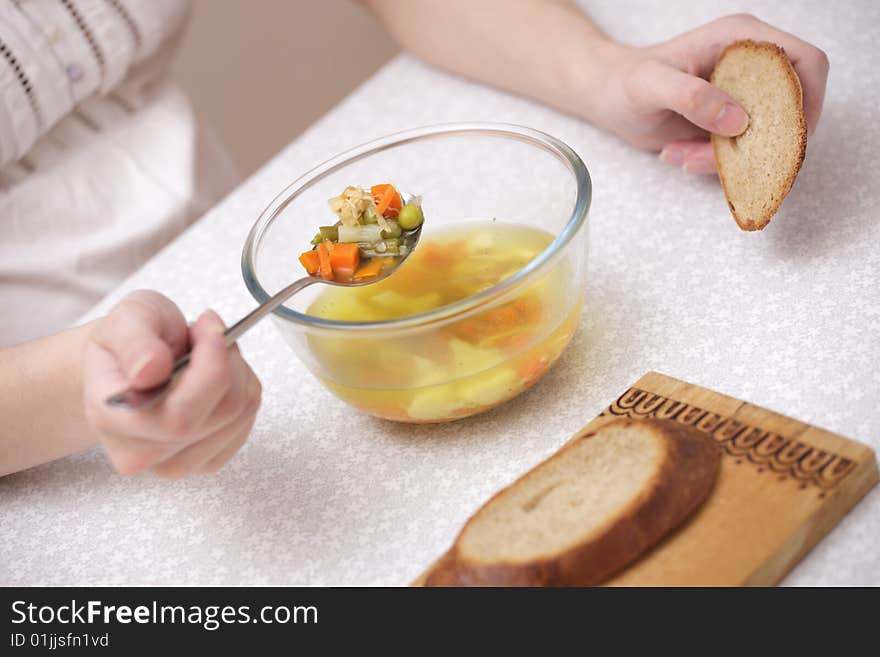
{"x":142,"y":399}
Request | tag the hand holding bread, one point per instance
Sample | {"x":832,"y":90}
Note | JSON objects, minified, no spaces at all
{"x":659,"y":97}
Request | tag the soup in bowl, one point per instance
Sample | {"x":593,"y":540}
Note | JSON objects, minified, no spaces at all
{"x":485,"y":304}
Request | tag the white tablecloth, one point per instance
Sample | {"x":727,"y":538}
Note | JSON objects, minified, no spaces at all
{"x":788,"y":319}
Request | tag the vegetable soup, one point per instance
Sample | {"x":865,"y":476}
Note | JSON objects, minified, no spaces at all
{"x":466,"y":365}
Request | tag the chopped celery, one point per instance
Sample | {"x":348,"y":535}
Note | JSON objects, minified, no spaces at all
{"x":317,"y":239}
{"x":393,"y":230}
{"x":369,"y":234}
{"x":330,"y":233}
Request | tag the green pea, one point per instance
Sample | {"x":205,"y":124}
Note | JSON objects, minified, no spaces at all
{"x":393,"y":230}
{"x":410,"y":217}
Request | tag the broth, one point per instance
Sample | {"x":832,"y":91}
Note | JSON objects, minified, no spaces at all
{"x":464,"y":366}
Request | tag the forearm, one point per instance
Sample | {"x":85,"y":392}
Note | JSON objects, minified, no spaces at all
{"x":545,"y":49}
{"x":41,"y":401}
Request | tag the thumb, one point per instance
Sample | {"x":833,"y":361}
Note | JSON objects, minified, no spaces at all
{"x":657,"y":86}
{"x":143,"y":333}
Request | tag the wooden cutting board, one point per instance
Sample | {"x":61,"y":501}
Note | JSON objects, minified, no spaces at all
{"x":782,"y":486}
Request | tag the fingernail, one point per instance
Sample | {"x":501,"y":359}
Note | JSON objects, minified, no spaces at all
{"x":139,"y":366}
{"x":696,"y":167}
{"x":215,"y":324}
{"x":672,"y":155}
{"x":731,"y":120}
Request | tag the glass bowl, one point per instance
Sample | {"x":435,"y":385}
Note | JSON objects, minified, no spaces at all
{"x":434,"y":366}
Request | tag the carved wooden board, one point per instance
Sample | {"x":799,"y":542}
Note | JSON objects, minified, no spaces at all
{"x":782,"y":486}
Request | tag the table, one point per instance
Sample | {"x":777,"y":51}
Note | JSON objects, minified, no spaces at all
{"x":788,"y":319}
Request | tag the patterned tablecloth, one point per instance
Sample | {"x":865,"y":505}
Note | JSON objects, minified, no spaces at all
{"x":788,"y":319}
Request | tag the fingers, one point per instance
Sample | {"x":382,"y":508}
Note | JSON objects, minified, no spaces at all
{"x":216,"y":463}
{"x":204,"y":382}
{"x":695,"y":99}
{"x":211,"y":452}
{"x":698,"y":51}
{"x":130,"y":455}
{"x":656,"y":86}
{"x":143,"y":332}
{"x":216,"y":449}
{"x":812,"y":69}
{"x":219,"y":438}
{"x":206,"y":416}
{"x":810,"y":63}
{"x":181,"y":416}
{"x":694,"y":157}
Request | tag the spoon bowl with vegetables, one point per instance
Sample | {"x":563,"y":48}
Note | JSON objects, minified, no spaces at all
{"x":376,"y":232}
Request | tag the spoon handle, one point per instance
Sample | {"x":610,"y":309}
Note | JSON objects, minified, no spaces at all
{"x":238,"y":329}
{"x":141,"y":399}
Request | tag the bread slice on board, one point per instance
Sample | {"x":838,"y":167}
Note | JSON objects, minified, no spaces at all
{"x":758,"y":167}
{"x":590,"y":509}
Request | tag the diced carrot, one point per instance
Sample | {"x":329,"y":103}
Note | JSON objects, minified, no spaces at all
{"x":416,"y":280}
{"x":516,"y":342}
{"x":388,"y":201}
{"x":311,"y":261}
{"x":529,"y":309}
{"x":504,"y":317}
{"x":435,"y":257}
{"x":325,"y":268}
{"x":370,"y":269}
{"x":533,"y":368}
{"x":506,"y":327}
{"x":522,"y":305}
{"x":467,"y":329}
{"x":345,"y":257}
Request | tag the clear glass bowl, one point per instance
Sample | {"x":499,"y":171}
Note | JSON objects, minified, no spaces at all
{"x":463,"y":171}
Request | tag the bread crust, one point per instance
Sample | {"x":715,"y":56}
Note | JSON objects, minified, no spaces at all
{"x":748,"y":223}
{"x":683,"y":481}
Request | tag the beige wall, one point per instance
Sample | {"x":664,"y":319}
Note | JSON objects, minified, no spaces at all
{"x":260,"y":71}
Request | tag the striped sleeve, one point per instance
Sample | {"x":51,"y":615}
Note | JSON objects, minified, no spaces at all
{"x":54,"y":54}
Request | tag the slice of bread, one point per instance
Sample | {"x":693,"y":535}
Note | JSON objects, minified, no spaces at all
{"x":590,"y":509}
{"x":758,"y":167}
